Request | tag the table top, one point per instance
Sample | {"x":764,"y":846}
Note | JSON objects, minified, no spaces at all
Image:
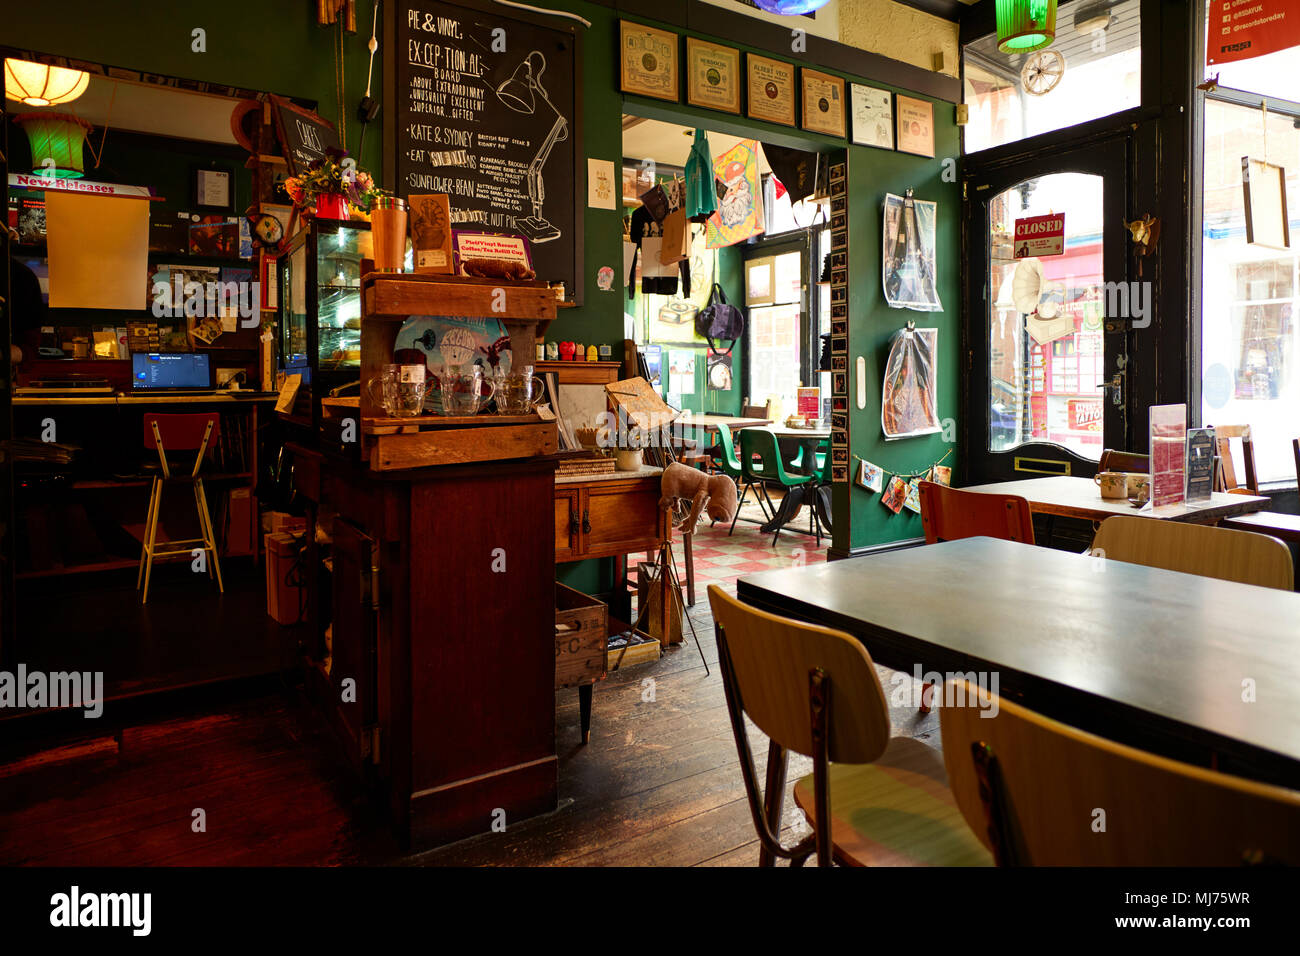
{"x":784,"y":431}
{"x":203,"y":398}
{"x":1081,"y":498}
{"x":1149,"y":657}
{"x":712,"y":421}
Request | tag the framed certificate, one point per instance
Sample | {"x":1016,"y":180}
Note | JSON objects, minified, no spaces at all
{"x":823,"y":103}
{"x":712,"y":76}
{"x":648,"y":61}
{"x":873,"y":116}
{"x":771,"y":89}
{"x":915,"y":125}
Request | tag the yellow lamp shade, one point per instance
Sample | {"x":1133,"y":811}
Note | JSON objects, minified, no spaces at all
{"x":37,"y":84}
{"x":1025,"y":25}
{"x":56,"y":140}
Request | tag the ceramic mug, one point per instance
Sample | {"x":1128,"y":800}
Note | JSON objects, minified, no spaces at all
{"x":1114,"y":484}
{"x":1135,"y":480}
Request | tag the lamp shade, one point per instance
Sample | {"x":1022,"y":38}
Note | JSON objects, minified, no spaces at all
{"x":56,"y":141}
{"x":36,"y":84}
{"x":790,"y":7}
{"x":1025,"y":25}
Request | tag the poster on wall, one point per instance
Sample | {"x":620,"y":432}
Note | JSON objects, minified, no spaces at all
{"x":1241,"y":32}
{"x":719,"y":373}
{"x":909,"y":398}
{"x":908,"y":266}
{"x":681,"y":371}
{"x":712,"y":75}
{"x":915,"y":125}
{"x":648,"y":61}
{"x":823,"y":103}
{"x":873,"y":116}
{"x":496,"y":130}
{"x":771,"y":89}
{"x":740,"y":211}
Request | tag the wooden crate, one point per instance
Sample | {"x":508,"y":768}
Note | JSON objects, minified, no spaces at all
{"x":392,"y":444}
{"x":581,"y":623}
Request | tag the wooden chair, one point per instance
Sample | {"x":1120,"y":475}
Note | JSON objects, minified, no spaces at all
{"x":1295,"y":450}
{"x":948,"y":514}
{"x":194,"y":432}
{"x":1041,"y":793}
{"x":815,"y":691}
{"x":1226,"y":477}
{"x":765,"y":412}
{"x":1114,"y":460}
{"x":1196,"y":549}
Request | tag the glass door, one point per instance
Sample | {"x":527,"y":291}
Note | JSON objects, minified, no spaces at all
{"x":1047,"y":304}
{"x":779,"y":358}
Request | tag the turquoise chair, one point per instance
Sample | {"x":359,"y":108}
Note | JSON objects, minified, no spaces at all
{"x":728,"y":462}
{"x":761,"y":463}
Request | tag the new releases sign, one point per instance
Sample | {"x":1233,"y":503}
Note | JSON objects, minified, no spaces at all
{"x":1040,"y":236}
{"x":1242,"y":29}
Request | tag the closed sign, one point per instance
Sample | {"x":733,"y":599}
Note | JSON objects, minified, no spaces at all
{"x":1040,"y":236}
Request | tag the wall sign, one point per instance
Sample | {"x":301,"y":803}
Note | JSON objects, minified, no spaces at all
{"x":482,"y":105}
{"x":24,"y":181}
{"x":1040,"y":236}
{"x":1240,"y":31}
{"x":915,"y":125}
{"x":771,"y":89}
{"x":712,"y":75}
{"x":304,"y":136}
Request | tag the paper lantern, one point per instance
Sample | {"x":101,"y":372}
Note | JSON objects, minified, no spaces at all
{"x":56,"y":140}
{"x":790,"y":7}
{"x":37,"y":84}
{"x":1025,"y":25}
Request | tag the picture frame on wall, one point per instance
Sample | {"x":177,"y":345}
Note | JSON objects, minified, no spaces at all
{"x":823,"y":103}
{"x":915,"y":125}
{"x":872,"y":111}
{"x":212,"y":187}
{"x":648,"y":62}
{"x":771,"y":87}
{"x":712,"y":76}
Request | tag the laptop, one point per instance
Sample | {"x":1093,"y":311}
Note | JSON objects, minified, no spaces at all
{"x":176,"y":373}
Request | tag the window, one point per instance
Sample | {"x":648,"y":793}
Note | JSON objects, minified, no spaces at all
{"x":774,"y":328}
{"x":1250,"y":294}
{"x":1100,"y":44}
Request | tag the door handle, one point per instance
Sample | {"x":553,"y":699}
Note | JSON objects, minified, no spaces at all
{"x":586,"y":521}
{"x":1115,"y":388}
{"x":573,"y":522}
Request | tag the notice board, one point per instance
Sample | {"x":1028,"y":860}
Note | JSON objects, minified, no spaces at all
{"x":482,"y":103}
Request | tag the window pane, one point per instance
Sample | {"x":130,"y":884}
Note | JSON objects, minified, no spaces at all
{"x":774,"y":354}
{"x":1272,"y":75}
{"x":1249,"y":294}
{"x":1103,"y":75}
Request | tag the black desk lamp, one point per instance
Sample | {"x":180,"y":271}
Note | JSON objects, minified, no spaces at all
{"x":520,"y":93}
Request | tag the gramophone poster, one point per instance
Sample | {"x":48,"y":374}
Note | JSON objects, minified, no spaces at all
{"x":908,"y":266}
{"x":493,"y":124}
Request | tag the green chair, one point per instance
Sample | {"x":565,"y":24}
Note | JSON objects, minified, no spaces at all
{"x":729,"y":464}
{"x":760,"y":461}
{"x":823,"y":452}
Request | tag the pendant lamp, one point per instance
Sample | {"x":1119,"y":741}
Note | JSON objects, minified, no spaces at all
{"x":37,"y":84}
{"x":56,"y":140}
{"x":1025,"y":25}
{"x":790,"y":7}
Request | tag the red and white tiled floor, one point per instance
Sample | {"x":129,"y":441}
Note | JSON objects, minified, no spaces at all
{"x":721,"y":558}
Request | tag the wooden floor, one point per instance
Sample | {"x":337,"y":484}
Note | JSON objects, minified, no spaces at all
{"x":658,"y":785}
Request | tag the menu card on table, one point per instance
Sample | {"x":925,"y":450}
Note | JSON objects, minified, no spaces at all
{"x":1168,"y":456}
{"x":1200,"y":463}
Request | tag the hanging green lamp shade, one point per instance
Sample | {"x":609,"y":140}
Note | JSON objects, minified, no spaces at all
{"x":56,"y":140}
{"x":1025,"y":25}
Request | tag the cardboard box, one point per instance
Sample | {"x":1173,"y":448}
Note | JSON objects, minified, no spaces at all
{"x":280,"y":522}
{"x":283,"y":600}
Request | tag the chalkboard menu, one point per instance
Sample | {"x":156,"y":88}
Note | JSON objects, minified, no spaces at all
{"x":482,"y":104}
{"x":304,"y":136}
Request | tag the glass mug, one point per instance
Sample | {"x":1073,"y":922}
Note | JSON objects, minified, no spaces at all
{"x":462,"y":389}
{"x":518,"y":391}
{"x":401,"y":390}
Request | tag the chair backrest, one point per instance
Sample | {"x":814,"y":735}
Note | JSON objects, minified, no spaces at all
{"x":181,"y":432}
{"x":757,"y":411}
{"x":1226,"y":479}
{"x":728,"y":461}
{"x":771,"y":658}
{"x":948,"y":514}
{"x":1114,"y":460}
{"x":760,"y":454}
{"x":1064,"y":797}
{"x":1242,"y":556}
{"x":1295,"y":450}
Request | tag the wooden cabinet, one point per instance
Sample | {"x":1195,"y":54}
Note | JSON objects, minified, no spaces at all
{"x":568,"y":523}
{"x":607,"y":516}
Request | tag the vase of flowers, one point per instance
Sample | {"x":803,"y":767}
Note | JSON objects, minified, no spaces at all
{"x":330,"y":185}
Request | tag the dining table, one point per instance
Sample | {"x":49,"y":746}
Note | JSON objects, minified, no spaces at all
{"x":1073,"y":497}
{"x":802,"y":443}
{"x":1192,"y":668}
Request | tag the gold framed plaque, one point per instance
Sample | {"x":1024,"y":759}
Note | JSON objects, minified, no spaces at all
{"x":823,"y":103}
{"x":712,"y":75}
{"x":915,"y":120}
{"x":771,"y":89}
{"x":648,"y":61}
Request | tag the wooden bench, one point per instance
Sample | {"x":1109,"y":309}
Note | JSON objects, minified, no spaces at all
{"x":1286,"y":527}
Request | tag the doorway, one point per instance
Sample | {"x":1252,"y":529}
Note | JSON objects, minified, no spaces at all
{"x":1046,"y":388}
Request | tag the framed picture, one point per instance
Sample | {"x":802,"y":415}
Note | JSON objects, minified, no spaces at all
{"x":915,"y":125}
{"x":771,"y":89}
{"x":1264,"y":197}
{"x":823,"y":103}
{"x":648,"y":61}
{"x":712,"y":76}
{"x":873,"y":116}
{"x":212,"y":188}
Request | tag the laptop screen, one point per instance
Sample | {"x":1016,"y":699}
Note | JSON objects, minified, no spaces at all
{"x":169,"y":370}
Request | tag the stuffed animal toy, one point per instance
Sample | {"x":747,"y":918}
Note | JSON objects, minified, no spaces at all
{"x":714,"y":493}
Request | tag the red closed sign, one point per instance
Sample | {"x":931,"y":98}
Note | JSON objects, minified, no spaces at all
{"x":1040,"y":236}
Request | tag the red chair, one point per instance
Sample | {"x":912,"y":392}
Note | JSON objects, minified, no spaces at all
{"x":948,"y":514}
{"x":169,"y":433}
